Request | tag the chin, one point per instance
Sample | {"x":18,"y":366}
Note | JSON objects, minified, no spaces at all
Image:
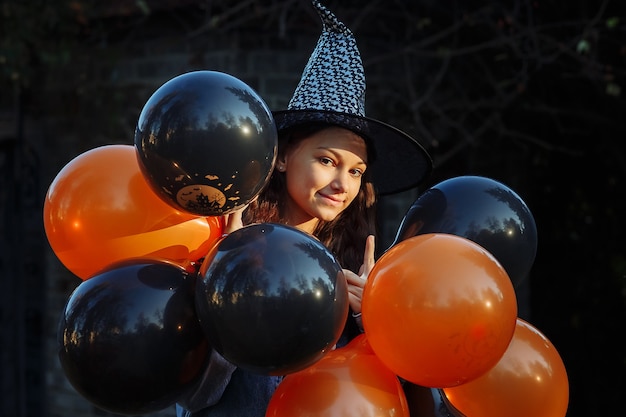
{"x":328,"y":217}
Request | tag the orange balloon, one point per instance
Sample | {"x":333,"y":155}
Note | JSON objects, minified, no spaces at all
{"x":529,"y":380}
{"x":348,"y":381}
{"x":439,"y":310}
{"x":100,"y":210}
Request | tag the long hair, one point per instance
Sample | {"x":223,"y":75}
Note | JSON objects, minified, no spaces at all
{"x":345,"y":235}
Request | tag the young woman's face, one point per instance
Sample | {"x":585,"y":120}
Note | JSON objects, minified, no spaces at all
{"x":324,"y":173}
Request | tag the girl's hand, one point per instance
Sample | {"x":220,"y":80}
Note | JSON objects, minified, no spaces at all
{"x":233,"y":220}
{"x":356,"y":283}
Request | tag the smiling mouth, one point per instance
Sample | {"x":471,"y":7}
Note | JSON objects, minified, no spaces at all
{"x":331,"y":200}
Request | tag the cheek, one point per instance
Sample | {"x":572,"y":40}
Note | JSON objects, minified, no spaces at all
{"x":300,"y":184}
{"x":354,"y":191}
{"x":307,"y":177}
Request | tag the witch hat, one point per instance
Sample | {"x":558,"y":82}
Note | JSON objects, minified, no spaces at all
{"x":332,"y":90}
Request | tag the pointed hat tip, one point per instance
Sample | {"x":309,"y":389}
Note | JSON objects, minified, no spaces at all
{"x":330,"y":22}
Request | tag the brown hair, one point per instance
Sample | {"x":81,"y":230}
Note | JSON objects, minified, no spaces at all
{"x":345,"y":235}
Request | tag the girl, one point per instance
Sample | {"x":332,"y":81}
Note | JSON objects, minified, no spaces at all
{"x":331,"y":163}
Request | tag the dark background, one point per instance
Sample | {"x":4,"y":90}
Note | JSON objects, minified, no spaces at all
{"x":527,"y":92}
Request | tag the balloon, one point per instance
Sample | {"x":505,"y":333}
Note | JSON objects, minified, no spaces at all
{"x":271,"y":299}
{"x":349,"y":381}
{"x":439,"y":310}
{"x":428,"y":402}
{"x":99,"y":210}
{"x":207,"y":142}
{"x":482,"y":210}
{"x":129,"y":339}
{"x":529,"y":380}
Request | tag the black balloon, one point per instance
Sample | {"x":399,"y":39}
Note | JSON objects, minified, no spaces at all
{"x":428,"y":402}
{"x":272,"y":299}
{"x":206,"y":142}
{"x":482,"y":210}
{"x":129,"y":339}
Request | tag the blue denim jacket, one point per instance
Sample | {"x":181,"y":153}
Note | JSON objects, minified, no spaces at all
{"x":247,"y":395}
{"x":228,"y":391}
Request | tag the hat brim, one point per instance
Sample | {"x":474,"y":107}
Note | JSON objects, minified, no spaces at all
{"x":399,"y":162}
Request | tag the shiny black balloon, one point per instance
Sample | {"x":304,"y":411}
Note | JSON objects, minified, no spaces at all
{"x":206,"y":142}
{"x":428,"y":402}
{"x":272,"y":299}
{"x":482,"y":210}
{"x":129,"y":339}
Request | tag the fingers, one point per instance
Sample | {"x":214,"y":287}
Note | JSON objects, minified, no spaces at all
{"x":368,"y":257}
{"x":355,"y":302}
{"x":356,"y":284}
{"x":234,"y":220}
{"x":354,"y":279}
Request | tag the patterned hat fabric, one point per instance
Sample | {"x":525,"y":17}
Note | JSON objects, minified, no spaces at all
{"x":332,"y":90}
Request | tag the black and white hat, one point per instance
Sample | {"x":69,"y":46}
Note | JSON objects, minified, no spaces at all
{"x":332,"y":90}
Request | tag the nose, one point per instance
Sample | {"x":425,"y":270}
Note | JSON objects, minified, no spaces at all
{"x":340,"y":183}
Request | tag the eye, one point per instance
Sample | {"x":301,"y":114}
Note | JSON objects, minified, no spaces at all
{"x":324,"y":160}
{"x":356,"y":173}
